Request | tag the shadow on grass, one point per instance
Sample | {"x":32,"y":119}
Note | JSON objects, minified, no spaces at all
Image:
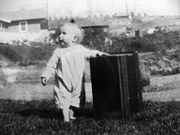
{"x":157,"y":118}
{"x":42,"y":113}
{"x":46,"y":109}
{"x":42,"y":109}
{"x":55,"y":114}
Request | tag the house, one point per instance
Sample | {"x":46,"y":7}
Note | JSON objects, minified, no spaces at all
{"x":120,"y":23}
{"x":23,"y":20}
{"x":122,"y":19}
{"x":87,"y":24}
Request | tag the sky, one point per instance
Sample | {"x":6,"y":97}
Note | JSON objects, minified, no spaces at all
{"x":83,"y":8}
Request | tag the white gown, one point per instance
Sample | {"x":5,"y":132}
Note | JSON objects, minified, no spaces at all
{"x":67,"y":64}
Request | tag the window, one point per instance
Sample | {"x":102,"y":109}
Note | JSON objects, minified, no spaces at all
{"x":23,"y":26}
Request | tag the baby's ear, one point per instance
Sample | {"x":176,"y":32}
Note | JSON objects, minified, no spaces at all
{"x":75,"y":38}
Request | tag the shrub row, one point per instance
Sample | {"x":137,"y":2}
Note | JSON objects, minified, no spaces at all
{"x":162,"y":62}
{"x":158,"y":41}
{"x":26,"y":55}
{"x":95,"y":39}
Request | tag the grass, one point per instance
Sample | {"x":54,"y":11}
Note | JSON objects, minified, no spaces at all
{"x":42,"y":117}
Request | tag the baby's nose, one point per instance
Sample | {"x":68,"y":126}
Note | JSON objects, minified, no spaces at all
{"x":61,"y":35}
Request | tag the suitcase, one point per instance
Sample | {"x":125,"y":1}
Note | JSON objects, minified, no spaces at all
{"x":116,"y":84}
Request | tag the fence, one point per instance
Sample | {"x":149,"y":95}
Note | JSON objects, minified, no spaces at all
{"x":116,"y":84}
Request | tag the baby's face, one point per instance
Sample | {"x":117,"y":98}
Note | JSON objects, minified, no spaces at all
{"x":67,"y":36}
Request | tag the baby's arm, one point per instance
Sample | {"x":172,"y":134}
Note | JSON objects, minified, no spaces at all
{"x":95,"y":53}
{"x":43,"y":81}
{"x":98,"y":53}
{"x":50,"y":67}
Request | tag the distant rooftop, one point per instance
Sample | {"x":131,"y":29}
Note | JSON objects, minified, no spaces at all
{"x":87,"y":22}
{"x":23,"y":14}
{"x":121,"y":15}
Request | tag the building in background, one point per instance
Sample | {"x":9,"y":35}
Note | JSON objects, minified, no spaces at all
{"x":23,"y":20}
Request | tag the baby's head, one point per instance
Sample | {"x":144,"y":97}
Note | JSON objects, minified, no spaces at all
{"x":71,"y":34}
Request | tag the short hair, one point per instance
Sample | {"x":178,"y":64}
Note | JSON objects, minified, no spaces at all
{"x":78,"y":31}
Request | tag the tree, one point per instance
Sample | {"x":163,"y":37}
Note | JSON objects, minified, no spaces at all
{"x":101,"y":16}
{"x":55,"y":22}
{"x":139,"y":15}
{"x":44,"y":24}
{"x":95,"y":16}
{"x":107,"y":16}
{"x":145,"y":14}
{"x":132,"y":14}
{"x":50,"y":22}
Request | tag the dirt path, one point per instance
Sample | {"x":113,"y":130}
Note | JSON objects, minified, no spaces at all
{"x":163,"y":80}
{"x":163,"y":96}
{"x":26,"y":92}
{"x":172,"y":94}
{"x":38,"y":92}
{"x":35,"y":91}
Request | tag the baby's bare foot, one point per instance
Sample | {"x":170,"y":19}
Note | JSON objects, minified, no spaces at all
{"x":72,"y":118}
{"x":71,"y":114}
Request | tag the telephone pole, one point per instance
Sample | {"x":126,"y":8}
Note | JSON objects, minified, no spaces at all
{"x":127,"y":11}
{"x":89,"y":5}
{"x":47,"y":16}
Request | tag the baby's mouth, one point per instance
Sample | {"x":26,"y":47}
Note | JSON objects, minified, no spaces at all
{"x":62,"y":43}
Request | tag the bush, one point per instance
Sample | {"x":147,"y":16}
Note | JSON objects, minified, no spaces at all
{"x":94,"y":38}
{"x":27,"y":55}
{"x":10,"y":53}
{"x":162,"y":62}
{"x":158,"y":41}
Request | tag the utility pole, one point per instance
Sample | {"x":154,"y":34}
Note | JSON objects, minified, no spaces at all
{"x":47,"y":16}
{"x":91,"y":8}
{"x":127,"y":11}
{"x":89,"y":5}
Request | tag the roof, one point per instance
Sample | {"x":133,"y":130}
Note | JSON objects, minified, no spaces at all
{"x":122,"y":15}
{"x":23,"y":14}
{"x":87,"y":22}
{"x":91,"y":22}
{"x":5,"y":20}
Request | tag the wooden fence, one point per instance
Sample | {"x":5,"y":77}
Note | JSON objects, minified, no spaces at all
{"x":116,"y":84}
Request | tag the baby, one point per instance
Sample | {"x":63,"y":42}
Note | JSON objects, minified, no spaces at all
{"x":67,"y":65}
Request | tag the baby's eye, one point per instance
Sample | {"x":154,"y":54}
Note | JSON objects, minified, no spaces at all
{"x":63,"y":33}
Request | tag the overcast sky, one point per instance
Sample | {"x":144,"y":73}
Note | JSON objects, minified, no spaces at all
{"x":83,"y":7}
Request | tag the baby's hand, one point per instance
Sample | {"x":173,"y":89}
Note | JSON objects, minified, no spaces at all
{"x":102,"y":54}
{"x":96,"y":54}
{"x":43,"y":81}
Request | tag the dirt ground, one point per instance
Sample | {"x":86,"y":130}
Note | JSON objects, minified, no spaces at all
{"x":24,"y":84}
{"x":172,"y":92}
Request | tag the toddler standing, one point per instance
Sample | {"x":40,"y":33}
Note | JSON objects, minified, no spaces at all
{"x":67,"y":65}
